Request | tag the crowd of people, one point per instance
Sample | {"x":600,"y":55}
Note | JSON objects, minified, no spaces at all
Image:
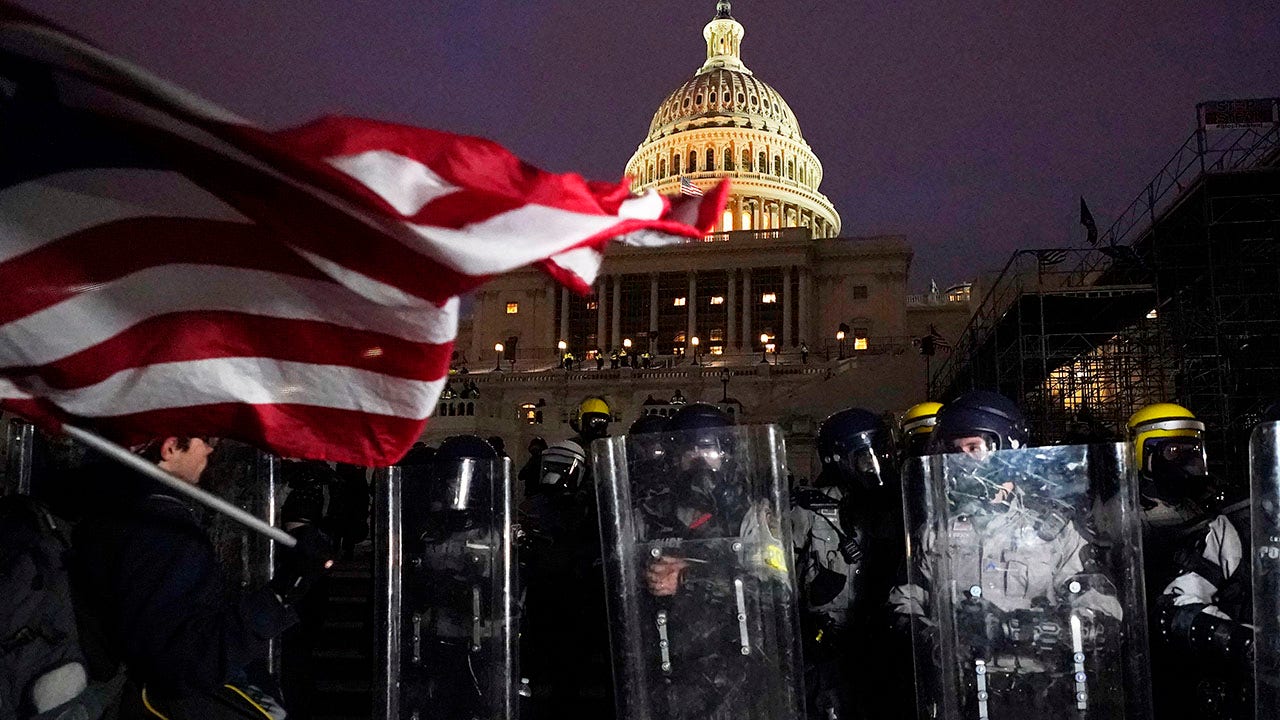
{"x":674,"y":571}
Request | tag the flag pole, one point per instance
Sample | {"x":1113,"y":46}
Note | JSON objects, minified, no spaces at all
{"x":204,"y":497}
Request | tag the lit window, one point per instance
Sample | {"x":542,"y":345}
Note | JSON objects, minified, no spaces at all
{"x":716,"y":349}
{"x":769,"y":298}
{"x":860,"y":343}
{"x":513,"y":308}
{"x":679,"y":302}
{"x":593,"y":305}
{"x":717,"y":300}
{"x":679,"y":338}
{"x":530,"y":413}
{"x":1153,"y":314}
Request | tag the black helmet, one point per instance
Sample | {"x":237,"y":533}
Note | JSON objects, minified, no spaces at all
{"x":856,"y":445}
{"x":980,"y":414}
{"x":697,"y":438}
{"x":646,"y":424}
{"x":460,"y":473}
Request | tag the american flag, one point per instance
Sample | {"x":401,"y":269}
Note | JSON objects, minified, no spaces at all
{"x":688,"y":188}
{"x":171,"y":269}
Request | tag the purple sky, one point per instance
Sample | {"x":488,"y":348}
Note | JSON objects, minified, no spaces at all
{"x":972,"y":132}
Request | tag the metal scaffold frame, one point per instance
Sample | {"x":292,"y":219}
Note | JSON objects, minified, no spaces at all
{"x":1180,"y":301}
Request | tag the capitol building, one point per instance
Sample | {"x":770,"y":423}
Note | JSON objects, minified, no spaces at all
{"x":780,"y":314}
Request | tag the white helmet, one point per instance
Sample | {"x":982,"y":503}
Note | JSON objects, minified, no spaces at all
{"x":563,"y":465}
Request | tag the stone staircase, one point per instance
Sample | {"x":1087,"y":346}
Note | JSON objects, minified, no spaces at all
{"x":343,"y":657}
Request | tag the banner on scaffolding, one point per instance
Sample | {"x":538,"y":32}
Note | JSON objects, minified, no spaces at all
{"x":1231,"y":114}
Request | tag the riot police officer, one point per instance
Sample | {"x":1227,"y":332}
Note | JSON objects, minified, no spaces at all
{"x":848,"y":536}
{"x":1196,"y":564}
{"x":704,"y":623}
{"x":549,"y":521}
{"x":1026,"y":622}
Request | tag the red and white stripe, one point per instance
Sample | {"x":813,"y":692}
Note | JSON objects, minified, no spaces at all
{"x":297,"y":290}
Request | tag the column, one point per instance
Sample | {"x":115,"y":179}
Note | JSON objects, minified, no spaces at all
{"x":731,"y":332}
{"x":653,"y":312}
{"x":806,"y":321}
{"x":602,"y":307}
{"x":787,"y":340}
{"x":564,"y":322}
{"x":691,"y":302}
{"x":617,"y":312}
{"x":748,"y":342}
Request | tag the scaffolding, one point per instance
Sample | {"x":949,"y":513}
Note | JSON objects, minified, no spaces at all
{"x":1180,"y":301}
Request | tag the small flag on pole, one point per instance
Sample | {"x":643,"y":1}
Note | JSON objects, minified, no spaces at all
{"x":688,"y":188}
{"x":1086,"y":219}
{"x":1049,"y":258}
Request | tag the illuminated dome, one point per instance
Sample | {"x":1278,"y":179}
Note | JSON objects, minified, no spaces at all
{"x":724,"y":121}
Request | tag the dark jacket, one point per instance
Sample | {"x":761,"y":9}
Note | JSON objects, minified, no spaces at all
{"x":164,"y":605}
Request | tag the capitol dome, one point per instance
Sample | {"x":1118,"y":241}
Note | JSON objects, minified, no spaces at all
{"x":724,"y":121}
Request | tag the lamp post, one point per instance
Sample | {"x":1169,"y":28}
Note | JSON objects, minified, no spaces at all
{"x":563,"y":346}
{"x":694,"y":342}
{"x":840,"y":337}
{"x":497,"y":361}
{"x":764,"y":342}
{"x":725,"y":376}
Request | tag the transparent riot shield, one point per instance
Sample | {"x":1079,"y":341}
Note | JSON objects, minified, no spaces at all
{"x":1025,"y":570}
{"x":445,"y":586}
{"x":20,"y":438}
{"x":701,"y":591}
{"x":1264,"y":471}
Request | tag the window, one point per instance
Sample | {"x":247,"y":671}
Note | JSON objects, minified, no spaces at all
{"x":679,"y":338}
{"x":531,"y":414}
{"x":679,"y":302}
{"x":513,"y":308}
{"x":858,"y":292}
{"x":769,"y":298}
{"x":763,"y":164}
{"x":662,"y":167}
{"x":791,"y":169}
{"x":717,"y":334}
{"x":716,"y":349}
{"x":746,"y":161}
{"x":711,"y":97}
{"x":693,"y":161}
{"x":777,"y":165}
{"x":859,"y":343}
{"x":675,"y":165}
{"x":711,"y":160}
{"x":717,"y":300}
{"x":593,"y":305}
{"x":728,"y":159}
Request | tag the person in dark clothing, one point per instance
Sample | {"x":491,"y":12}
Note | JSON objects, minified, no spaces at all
{"x":164,"y":607}
{"x":529,"y":474}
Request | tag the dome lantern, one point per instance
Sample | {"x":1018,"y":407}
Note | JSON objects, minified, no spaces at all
{"x":724,"y":41}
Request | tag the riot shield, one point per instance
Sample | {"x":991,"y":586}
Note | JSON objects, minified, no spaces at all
{"x":1264,"y":471}
{"x":444,"y":586}
{"x":701,"y":592}
{"x":1025,"y":569}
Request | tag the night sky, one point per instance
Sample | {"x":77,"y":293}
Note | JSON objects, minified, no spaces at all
{"x":972,"y":129}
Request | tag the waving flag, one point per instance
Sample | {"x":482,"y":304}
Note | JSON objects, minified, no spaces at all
{"x":688,"y":189}
{"x":168,"y":268}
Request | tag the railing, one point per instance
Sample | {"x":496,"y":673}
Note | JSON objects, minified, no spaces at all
{"x":1229,"y":151}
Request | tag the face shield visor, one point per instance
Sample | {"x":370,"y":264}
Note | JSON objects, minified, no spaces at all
{"x":594,"y":425}
{"x":561,"y":470}
{"x":1176,"y":467}
{"x":976,"y":444}
{"x":918,"y":444}
{"x":864,"y":465}
{"x":707,"y":454}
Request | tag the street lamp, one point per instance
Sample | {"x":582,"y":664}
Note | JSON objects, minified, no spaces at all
{"x":497,"y":361}
{"x":694,"y":342}
{"x":840,"y":337}
{"x":626,"y":343}
{"x":725,"y":376}
{"x":764,"y":342}
{"x":563,"y":346}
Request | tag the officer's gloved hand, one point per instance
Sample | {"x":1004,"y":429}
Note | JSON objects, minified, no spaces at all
{"x":301,"y":565}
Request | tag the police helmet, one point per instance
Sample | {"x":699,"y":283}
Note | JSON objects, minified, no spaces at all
{"x":461,"y":471}
{"x":1168,"y":447}
{"x":563,"y":465}
{"x":917,"y":426}
{"x":592,"y":419}
{"x":856,"y":445}
{"x":697,"y":437}
{"x":978,"y":422}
